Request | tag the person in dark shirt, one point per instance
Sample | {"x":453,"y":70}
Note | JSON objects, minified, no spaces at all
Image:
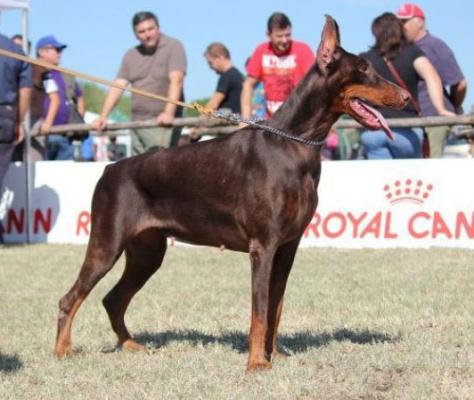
{"x":229,"y":86}
{"x":15,"y":94}
{"x":411,"y":65}
{"x":443,"y":59}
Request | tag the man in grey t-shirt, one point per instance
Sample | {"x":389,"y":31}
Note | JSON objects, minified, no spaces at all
{"x":442,"y":58}
{"x":157,"y":65}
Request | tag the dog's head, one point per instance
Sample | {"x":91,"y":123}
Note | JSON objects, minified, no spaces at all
{"x":356,"y":83}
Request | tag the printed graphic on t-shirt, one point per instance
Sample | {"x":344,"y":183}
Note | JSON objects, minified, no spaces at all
{"x":279,"y":80}
{"x":273,"y":64}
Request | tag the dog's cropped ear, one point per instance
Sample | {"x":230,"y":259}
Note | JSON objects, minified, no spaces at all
{"x":330,"y":41}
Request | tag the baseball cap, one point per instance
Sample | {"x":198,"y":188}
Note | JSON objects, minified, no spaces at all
{"x":410,"y":10}
{"x":49,"y":41}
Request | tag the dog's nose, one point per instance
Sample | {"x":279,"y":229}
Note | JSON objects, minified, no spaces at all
{"x":406,"y":96}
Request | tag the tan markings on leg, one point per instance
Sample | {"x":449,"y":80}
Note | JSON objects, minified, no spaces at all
{"x":131,"y":345}
{"x":276,"y":352}
{"x":63,"y":343}
{"x":257,"y":359}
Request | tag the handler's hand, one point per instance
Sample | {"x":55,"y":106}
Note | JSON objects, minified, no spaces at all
{"x":165,"y":118}
{"x":99,"y":124}
{"x":20,"y":133}
{"x":45,"y":127}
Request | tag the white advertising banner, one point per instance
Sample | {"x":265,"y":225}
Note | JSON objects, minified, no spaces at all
{"x":377,"y":204}
{"x":61,"y":199}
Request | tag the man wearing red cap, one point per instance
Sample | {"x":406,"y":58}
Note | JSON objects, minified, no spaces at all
{"x":442,"y":57}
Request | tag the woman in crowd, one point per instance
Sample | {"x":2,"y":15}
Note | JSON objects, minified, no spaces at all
{"x":404,"y":64}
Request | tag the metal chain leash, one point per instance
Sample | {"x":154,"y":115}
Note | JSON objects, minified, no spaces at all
{"x":233,"y":117}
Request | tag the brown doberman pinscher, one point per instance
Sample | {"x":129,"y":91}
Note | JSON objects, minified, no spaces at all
{"x":252,"y":191}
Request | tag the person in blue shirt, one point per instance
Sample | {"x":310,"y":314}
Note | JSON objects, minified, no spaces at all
{"x":15,"y":94}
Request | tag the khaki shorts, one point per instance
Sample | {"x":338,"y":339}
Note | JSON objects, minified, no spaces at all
{"x":144,"y":139}
{"x":437,"y":137}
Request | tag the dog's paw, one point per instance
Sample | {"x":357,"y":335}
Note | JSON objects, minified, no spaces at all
{"x":259,"y":366}
{"x":131,"y":345}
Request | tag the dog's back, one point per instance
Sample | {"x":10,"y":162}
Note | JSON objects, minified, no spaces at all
{"x":190,"y":192}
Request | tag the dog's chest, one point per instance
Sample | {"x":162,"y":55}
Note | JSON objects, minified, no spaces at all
{"x":298,"y":206}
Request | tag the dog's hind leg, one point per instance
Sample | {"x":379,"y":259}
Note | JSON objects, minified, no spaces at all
{"x":282,"y":263}
{"x":100,"y":258}
{"x":144,"y":255}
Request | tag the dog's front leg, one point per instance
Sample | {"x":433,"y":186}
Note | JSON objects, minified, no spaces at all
{"x":261,"y":258}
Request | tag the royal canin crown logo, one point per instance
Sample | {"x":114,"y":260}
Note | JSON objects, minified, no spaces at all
{"x":409,"y":190}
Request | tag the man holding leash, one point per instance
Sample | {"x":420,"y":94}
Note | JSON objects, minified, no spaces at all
{"x":279,"y":63}
{"x":156,"y":65}
{"x":443,"y":59}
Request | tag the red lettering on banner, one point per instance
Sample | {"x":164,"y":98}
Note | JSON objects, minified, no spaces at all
{"x":12,"y":219}
{"x":334,"y":216}
{"x":313,"y":226}
{"x":411,"y":223}
{"x":440,"y":227}
{"x":388,"y":223}
{"x":83,"y":223}
{"x":16,"y":221}
{"x":461,"y":221}
{"x":421,"y":225}
{"x":45,"y":222}
{"x":373,"y":227}
{"x":356,"y":222}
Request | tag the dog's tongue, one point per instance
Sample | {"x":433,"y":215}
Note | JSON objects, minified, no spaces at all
{"x":381,"y":119}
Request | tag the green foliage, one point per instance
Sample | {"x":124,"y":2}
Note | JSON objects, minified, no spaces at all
{"x":94,"y":96}
{"x":193,"y":113}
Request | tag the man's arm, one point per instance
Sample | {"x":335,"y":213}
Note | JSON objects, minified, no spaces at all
{"x":24,"y":101}
{"x":213,"y":104}
{"x":246,"y":96}
{"x":51,"y":113}
{"x":111,"y":100}
{"x":174,"y":93}
{"x":427,"y":71}
{"x":81,"y":105}
{"x":215,"y":101}
{"x":457,"y":93}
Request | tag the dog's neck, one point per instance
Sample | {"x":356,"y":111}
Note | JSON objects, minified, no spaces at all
{"x":307,"y":112}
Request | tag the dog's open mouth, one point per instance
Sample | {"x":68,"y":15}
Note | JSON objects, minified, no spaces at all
{"x":369,"y":116}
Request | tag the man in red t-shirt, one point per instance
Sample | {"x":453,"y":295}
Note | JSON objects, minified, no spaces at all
{"x":279,"y":64}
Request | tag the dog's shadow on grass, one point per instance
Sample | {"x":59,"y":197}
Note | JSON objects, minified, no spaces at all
{"x":9,"y":363}
{"x":294,"y":343}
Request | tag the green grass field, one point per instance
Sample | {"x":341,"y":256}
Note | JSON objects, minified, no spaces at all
{"x":371,"y":324}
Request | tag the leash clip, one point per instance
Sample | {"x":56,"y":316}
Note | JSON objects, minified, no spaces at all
{"x":202,"y":110}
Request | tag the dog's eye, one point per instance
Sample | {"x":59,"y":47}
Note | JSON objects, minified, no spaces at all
{"x":362,"y":65}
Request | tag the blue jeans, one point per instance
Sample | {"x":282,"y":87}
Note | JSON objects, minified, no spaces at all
{"x":407,"y":144}
{"x":58,"y":148}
